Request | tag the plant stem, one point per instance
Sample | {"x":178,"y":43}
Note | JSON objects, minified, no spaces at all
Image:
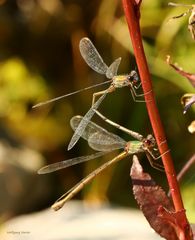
{"x":131,"y":10}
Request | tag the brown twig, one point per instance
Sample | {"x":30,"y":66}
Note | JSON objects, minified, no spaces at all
{"x":186,"y":167}
{"x":131,"y":9}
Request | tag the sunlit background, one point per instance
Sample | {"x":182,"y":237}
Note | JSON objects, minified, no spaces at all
{"x":40,"y":59}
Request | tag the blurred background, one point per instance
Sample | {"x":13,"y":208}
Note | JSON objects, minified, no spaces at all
{"x":40,"y":59}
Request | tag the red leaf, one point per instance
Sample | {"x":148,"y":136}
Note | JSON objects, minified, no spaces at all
{"x":150,"y":197}
{"x":189,"y":76}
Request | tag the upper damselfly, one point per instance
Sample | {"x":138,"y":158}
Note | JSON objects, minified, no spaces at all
{"x":95,"y":61}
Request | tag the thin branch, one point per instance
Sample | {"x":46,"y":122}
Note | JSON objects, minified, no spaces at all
{"x":186,"y":167}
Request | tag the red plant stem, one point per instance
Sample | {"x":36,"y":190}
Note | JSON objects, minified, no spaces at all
{"x":132,"y":16}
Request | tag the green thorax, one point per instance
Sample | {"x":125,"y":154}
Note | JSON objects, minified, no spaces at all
{"x":120,"y":81}
{"x":134,"y":147}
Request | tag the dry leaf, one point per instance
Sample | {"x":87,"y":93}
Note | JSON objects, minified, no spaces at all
{"x":150,"y":197}
{"x":189,"y":76}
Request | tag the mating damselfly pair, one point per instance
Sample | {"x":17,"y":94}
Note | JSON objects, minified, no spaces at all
{"x":104,"y":142}
{"x":98,"y":138}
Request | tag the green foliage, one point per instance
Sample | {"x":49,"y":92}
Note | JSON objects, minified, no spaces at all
{"x":188,"y":198}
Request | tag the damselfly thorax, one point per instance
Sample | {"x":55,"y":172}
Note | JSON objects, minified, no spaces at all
{"x":124,"y":80}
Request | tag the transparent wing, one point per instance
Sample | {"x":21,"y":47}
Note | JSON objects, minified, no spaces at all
{"x":84,"y":122}
{"x":113,"y":68}
{"x":98,"y":138}
{"x":67,"y":163}
{"x":109,"y":142}
{"x":90,"y":129}
{"x":91,"y":56}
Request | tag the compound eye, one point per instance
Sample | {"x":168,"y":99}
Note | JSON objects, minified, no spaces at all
{"x":148,"y":142}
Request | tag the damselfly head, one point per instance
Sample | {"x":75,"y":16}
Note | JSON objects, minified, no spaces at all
{"x":149,"y":141}
{"x":133,"y":78}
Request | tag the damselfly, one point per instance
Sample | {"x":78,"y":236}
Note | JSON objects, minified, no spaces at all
{"x":104,"y":142}
{"x":95,"y":61}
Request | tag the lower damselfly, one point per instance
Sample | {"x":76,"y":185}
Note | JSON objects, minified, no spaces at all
{"x":104,"y":142}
